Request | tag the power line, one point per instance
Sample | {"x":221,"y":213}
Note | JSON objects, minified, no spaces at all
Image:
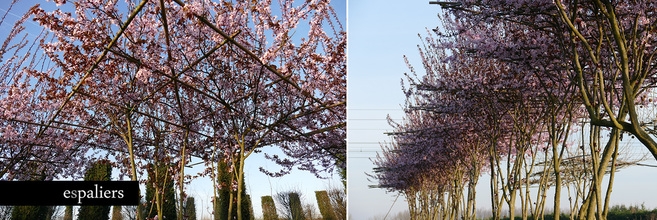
{"x":645,"y":165}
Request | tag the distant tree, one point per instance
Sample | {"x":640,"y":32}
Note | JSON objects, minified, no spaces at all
{"x":268,"y":208}
{"x":219,"y":209}
{"x":290,"y":204}
{"x":324,"y":204}
{"x":222,"y":201}
{"x":249,"y":206}
{"x":190,"y":209}
{"x":295,"y":207}
{"x":31,"y":212}
{"x":99,"y":171}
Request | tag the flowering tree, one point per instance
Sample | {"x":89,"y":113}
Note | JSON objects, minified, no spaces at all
{"x":166,"y":82}
{"x":606,"y":47}
{"x":519,"y":73}
{"x":29,"y":150}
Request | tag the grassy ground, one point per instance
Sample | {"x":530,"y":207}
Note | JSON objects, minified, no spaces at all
{"x":617,"y":212}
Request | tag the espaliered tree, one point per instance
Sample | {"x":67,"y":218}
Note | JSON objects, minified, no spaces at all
{"x":170,"y":80}
{"x":514,"y":76}
{"x":484,"y":117}
{"x":452,"y":125}
{"x":455,"y":122}
{"x":606,"y":47}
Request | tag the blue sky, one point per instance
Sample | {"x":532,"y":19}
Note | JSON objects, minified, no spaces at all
{"x":379,"y":34}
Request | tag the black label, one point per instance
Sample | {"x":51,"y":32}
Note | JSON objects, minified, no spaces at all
{"x":79,"y":193}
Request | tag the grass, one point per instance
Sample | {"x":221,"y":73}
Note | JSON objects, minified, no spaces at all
{"x":616,"y":212}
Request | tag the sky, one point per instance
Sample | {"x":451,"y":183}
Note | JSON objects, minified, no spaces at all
{"x":257,"y":183}
{"x":380,"y":33}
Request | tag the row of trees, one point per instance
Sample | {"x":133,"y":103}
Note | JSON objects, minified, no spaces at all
{"x":538,"y":94}
{"x":151,"y":84}
{"x":332,"y":205}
